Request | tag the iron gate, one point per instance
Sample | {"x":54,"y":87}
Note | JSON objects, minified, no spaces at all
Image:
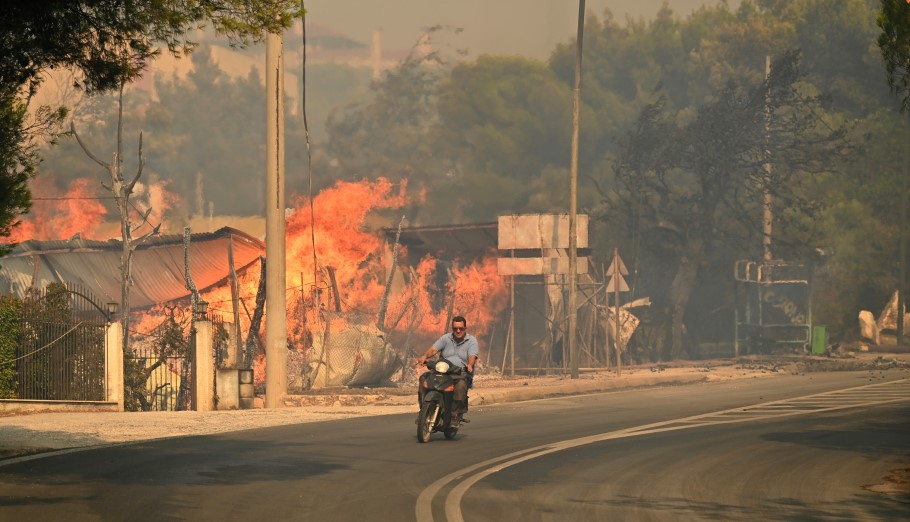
{"x":60,"y":353}
{"x":158,"y":367}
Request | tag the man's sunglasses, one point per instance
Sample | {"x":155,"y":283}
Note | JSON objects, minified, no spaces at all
{"x":458,"y":328}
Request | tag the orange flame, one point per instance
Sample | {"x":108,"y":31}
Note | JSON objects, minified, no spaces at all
{"x":59,"y":215}
{"x":418,"y":308}
{"x":341,"y":239}
{"x":56,"y":215}
{"x":480,"y":295}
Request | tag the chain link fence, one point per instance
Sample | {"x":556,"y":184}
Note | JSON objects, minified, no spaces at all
{"x":347,"y":349}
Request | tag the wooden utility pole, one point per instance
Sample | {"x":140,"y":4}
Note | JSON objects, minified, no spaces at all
{"x":451,"y":309}
{"x":276,"y":334}
{"x":573,"y":193}
{"x":384,"y":302}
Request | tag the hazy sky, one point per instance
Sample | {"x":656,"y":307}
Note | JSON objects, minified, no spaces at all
{"x":527,"y":27}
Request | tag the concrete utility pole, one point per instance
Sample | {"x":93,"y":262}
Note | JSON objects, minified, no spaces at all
{"x":276,"y":332}
{"x":902,"y":278}
{"x":573,"y":194}
{"x":768,"y":216}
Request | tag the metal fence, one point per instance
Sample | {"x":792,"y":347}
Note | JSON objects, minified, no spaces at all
{"x":347,"y":350}
{"x":221,"y":340}
{"x":60,"y":353}
{"x":165,"y":386}
{"x":158,"y":369}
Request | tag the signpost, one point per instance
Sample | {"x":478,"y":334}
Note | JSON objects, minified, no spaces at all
{"x":539,"y":244}
{"x":616,"y":284}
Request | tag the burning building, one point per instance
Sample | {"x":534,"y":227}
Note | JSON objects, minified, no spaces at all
{"x":157,"y":266}
{"x":359,"y":306}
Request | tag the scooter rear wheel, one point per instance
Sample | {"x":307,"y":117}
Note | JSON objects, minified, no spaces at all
{"x":425,"y":421}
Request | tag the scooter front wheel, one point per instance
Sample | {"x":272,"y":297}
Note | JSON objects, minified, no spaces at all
{"x":425,"y":421}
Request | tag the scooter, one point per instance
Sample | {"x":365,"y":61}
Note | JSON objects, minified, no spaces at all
{"x":436,"y":406}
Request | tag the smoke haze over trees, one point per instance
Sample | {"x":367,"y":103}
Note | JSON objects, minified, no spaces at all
{"x":490,"y":135}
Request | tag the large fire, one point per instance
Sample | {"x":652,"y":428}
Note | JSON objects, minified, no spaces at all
{"x":59,"y":214}
{"x":350,"y":256}
{"x":477,"y":289}
{"x":360,"y":262}
{"x":342,"y":242}
{"x":352,"y":253}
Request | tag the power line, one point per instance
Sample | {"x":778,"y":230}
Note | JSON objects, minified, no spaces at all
{"x":48,"y":345}
{"x":68,"y":198}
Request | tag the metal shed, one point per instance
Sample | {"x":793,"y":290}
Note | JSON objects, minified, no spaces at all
{"x":157,"y":265}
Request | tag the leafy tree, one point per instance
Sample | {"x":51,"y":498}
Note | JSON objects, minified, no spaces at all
{"x":862,"y":227}
{"x":503,"y":123}
{"x":208,"y":137}
{"x":697,"y":178}
{"x":389,"y":136}
{"x":15,"y":198}
{"x":19,"y":157}
{"x":894,"y":42}
{"x":110,"y":41}
{"x":10,"y":310}
{"x":834,"y":38}
{"x":330,"y":89}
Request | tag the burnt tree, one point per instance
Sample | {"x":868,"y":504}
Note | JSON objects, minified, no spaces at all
{"x":122,"y":189}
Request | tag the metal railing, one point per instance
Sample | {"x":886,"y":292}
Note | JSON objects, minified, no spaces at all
{"x":60,"y":353}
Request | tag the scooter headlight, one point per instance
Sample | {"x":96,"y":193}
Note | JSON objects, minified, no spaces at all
{"x":442,"y":367}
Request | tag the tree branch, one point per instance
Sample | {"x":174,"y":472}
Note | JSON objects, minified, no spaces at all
{"x":143,"y":216}
{"x":85,"y":149}
{"x":145,"y":237}
{"x":129,"y":188}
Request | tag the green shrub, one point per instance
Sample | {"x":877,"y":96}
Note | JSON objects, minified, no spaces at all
{"x":10,"y":310}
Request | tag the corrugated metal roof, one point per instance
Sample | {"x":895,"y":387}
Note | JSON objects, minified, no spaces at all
{"x":157,"y":265}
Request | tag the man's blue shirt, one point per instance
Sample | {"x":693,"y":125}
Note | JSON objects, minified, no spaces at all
{"x":457,"y":353}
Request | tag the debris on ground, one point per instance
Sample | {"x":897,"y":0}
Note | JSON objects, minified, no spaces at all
{"x":896,"y":482}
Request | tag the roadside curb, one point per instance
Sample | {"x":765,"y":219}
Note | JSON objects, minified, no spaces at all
{"x":483,"y":396}
{"x":498,"y":396}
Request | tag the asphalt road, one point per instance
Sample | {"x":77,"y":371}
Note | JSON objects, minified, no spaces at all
{"x":617,"y":456}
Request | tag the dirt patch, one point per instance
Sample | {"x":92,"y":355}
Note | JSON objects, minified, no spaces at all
{"x":896,"y":482}
{"x":878,"y":362}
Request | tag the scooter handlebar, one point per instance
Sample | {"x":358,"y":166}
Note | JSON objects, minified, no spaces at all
{"x":453,"y":370}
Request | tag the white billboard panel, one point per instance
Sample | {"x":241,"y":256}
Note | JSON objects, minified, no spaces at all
{"x":540,"y":231}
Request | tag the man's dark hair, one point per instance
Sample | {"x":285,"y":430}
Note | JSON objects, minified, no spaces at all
{"x":459,"y":319}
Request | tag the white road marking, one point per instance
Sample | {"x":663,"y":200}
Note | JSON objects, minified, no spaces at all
{"x":868,"y":395}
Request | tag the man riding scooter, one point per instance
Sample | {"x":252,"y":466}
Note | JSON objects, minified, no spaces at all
{"x":459,"y":348}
